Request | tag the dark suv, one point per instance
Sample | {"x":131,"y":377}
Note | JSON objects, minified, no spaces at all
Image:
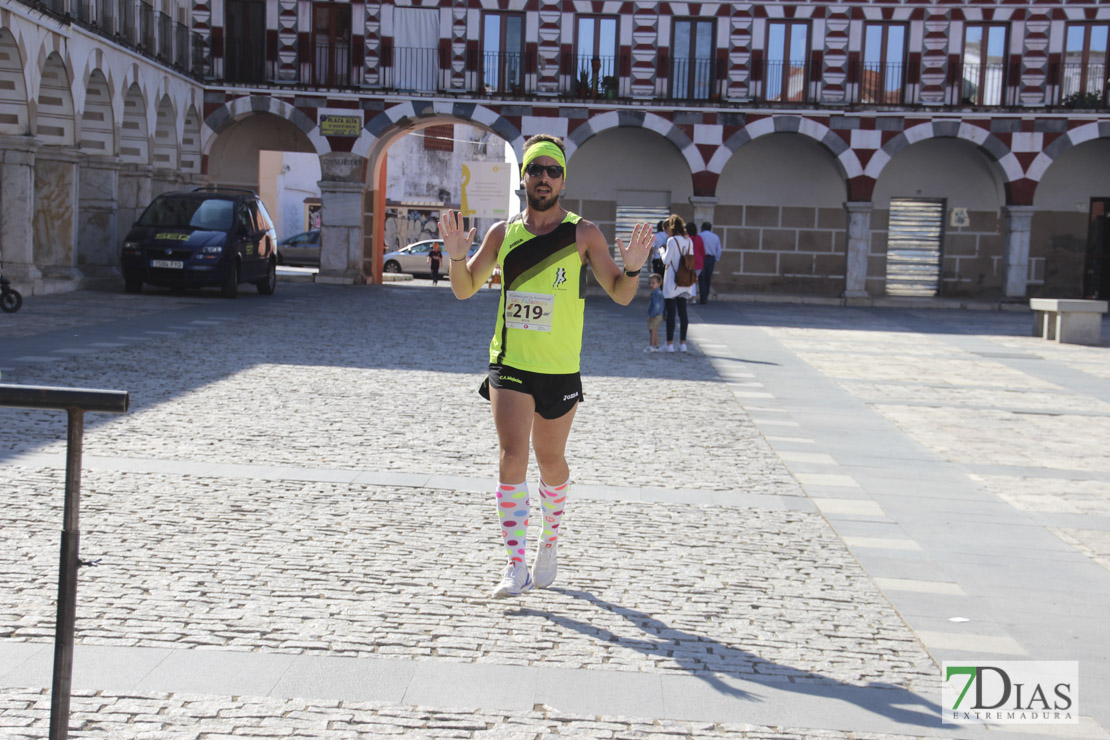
{"x":208,"y":237}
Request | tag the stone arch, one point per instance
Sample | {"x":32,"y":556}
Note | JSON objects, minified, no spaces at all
{"x":380,"y":130}
{"x":1074,"y":137}
{"x":228,"y":113}
{"x":98,"y":125}
{"x":190,"y":142}
{"x":165,"y":154}
{"x":14,"y":118}
{"x":846,"y":158}
{"x":1003,"y":161}
{"x":134,"y":145}
{"x":638,"y":119}
{"x":54,"y":118}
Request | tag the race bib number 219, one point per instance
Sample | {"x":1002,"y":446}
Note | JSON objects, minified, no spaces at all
{"x":532,"y":311}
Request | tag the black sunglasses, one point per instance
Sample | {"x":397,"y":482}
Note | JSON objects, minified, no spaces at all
{"x":553,"y":171}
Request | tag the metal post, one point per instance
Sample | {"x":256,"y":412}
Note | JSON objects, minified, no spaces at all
{"x":67,"y":580}
{"x":75,"y":402}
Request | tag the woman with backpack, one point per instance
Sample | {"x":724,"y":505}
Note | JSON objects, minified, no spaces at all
{"x":680,"y":280}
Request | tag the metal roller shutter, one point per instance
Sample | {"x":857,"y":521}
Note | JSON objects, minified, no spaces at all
{"x":913,"y":248}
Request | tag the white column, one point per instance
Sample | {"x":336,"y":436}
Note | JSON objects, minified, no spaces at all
{"x":1019,"y":221}
{"x":344,"y":255}
{"x":55,"y":219}
{"x":98,"y":239}
{"x":17,"y":189}
{"x":341,"y":243}
{"x":135,"y":193}
{"x":704,"y":208}
{"x":858,"y":248}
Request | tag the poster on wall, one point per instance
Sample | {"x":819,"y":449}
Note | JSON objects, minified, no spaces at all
{"x":485,"y":189}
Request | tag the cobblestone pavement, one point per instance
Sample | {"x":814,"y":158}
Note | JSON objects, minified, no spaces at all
{"x":191,"y":717}
{"x":351,"y":379}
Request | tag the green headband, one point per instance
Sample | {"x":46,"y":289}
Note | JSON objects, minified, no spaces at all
{"x":544,"y":149}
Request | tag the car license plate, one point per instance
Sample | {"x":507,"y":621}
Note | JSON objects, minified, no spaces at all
{"x":171,"y":264}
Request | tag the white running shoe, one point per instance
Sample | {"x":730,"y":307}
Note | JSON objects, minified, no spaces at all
{"x":543,"y":570}
{"x":649,"y":348}
{"x":670,"y":348}
{"x":514,"y":581}
{"x":682,"y":347}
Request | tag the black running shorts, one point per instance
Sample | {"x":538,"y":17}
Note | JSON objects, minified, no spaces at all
{"x":554,"y":395}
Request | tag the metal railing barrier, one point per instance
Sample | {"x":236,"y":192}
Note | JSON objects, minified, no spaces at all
{"x":75,"y":402}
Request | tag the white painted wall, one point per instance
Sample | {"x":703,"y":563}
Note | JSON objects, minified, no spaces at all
{"x":622,"y":158}
{"x":782,"y":169}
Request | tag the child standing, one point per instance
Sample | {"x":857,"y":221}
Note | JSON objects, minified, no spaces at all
{"x":655,"y":311}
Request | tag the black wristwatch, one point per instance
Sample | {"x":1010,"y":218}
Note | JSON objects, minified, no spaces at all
{"x":632,"y":273}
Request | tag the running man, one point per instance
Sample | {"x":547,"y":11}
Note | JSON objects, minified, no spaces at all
{"x":534,"y":385}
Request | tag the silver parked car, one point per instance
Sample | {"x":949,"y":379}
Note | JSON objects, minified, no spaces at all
{"x":413,"y":259}
{"x":300,"y":249}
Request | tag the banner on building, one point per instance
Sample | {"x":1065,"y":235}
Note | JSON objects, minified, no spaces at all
{"x":485,"y":189}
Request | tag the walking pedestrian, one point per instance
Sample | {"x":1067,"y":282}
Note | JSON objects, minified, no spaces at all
{"x":533,"y":383}
{"x":674,"y":295}
{"x":655,"y":312}
{"x":435,"y":255}
{"x":712,"y":245}
{"x":699,"y":254}
{"x":657,"y":249}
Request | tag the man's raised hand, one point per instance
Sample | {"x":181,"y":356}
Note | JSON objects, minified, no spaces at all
{"x":456,"y":240}
{"x":639,"y":246}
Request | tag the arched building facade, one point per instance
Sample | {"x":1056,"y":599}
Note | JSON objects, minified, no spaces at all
{"x":853,"y":149}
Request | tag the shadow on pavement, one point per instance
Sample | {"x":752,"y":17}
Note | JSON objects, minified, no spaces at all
{"x":887,"y":700}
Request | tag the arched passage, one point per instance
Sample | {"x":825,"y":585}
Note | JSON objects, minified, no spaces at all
{"x":1062,"y":223}
{"x":14,"y":120}
{"x":233,"y":152}
{"x":165,"y":154}
{"x":780,"y":214}
{"x":954,"y":174}
{"x":54,"y":223}
{"x":98,"y":126}
{"x":54,"y":121}
{"x":627,"y":168}
{"x":381,"y":132}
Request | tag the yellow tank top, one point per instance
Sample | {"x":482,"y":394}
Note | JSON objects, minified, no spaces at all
{"x":543,"y":284}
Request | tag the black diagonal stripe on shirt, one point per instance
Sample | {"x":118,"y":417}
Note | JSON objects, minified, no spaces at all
{"x":535,"y":251}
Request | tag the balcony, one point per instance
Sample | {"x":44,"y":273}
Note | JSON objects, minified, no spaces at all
{"x":503,"y":73}
{"x":135,"y":25}
{"x":410,"y":69}
{"x":881,"y":83}
{"x":981,"y":85}
{"x":1082,"y":85}
{"x":693,"y":80}
{"x":784,"y":81}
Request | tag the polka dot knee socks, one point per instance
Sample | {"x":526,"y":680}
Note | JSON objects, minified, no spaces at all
{"x":553,"y":500}
{"x":512,"y":510}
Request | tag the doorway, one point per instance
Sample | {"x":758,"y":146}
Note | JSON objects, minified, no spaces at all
{"x":331,"y":44}
{"x":1096,"y":273}
{"x":913,"y":249}
{"x":245,"y":41}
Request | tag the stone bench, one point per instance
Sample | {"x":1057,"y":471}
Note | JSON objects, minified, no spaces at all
{"x":1069,"y":320}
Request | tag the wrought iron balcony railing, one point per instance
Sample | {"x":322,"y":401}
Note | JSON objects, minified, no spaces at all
{"x":411,"y":69}
{"x":1082,"y":85}
{"x":881,"y":83}
{"x":785,"y":81}
{"x":503,"y":73}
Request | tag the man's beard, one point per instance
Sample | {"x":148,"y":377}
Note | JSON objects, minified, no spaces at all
{"x":536,"y":204}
